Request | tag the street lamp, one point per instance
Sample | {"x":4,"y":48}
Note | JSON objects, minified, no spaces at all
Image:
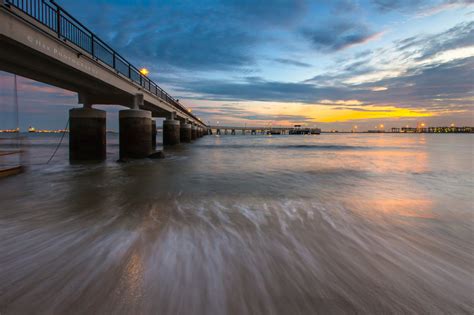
{"x":144,"y":71}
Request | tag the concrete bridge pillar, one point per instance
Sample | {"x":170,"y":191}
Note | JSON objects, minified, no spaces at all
{"x":135,"y":133}
{"x":87,"y":136}
{"x":185,"y":132}
{"x":193,"y":132}
{"x":153,"y":134}
{"x":171,"y":131}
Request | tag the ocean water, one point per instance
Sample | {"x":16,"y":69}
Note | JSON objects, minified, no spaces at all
{"x":328,"y":224}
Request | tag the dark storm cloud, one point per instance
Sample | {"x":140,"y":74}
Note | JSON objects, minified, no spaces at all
{"x":337,"y":35}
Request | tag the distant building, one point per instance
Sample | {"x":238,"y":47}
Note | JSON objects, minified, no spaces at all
{"x":436,"y":130}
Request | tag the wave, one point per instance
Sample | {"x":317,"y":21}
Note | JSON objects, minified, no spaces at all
{"x":284,"y":146}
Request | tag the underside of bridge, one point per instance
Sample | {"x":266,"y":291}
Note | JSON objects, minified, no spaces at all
{"x":34,"y":48}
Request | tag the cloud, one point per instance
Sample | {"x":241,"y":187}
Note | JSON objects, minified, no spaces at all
{"x":357,"y":109}
{"x":430,"y":87}
{"x":338,"y":35}
{"x":391,"y":5}
{"x":459,"y":36}
{"x":292,"y":62}
{"x":425,"y":7}
{"x":196,"y":36}
{"x":345,"y":7}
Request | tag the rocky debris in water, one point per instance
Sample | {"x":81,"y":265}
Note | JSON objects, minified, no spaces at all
{"x":157,"y":155}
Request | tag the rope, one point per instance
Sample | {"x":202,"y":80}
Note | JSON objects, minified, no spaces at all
{"x":60,"y":141}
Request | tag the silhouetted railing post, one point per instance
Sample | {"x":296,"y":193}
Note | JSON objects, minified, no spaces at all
{"x":92,"y":45}
{"x":58,"y":21}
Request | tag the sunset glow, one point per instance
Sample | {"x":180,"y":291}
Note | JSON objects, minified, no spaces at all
{"x":402,"y":63}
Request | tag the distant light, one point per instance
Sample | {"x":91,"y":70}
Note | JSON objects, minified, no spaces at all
{"x":190,"y":110}
{"x":144,"y":71}
{"x":422,"y":124}
{"x":381,"y":126}
{"x":452,"y":125}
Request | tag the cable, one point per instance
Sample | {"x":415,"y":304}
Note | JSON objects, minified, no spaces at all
{"x":59,"y":144}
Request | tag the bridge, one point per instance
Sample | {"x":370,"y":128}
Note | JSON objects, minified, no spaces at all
{"x":41,"y":41}
{"x":233,"y":130}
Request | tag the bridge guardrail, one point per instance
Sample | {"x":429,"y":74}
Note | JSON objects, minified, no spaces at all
{"x":54,"y":17}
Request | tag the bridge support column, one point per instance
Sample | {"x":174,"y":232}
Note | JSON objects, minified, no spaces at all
{"x":135,"y":133}
{"x":185,"y":132}
{"x":171,"y":132}
{"x":193,"y":132}
{"x":87,"y":136}
{"x":153,"y":134}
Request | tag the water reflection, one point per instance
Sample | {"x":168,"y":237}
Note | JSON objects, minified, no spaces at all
{"x":246,"y":225}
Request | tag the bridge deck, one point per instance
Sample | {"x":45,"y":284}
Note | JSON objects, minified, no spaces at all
{"x":43,"y":42}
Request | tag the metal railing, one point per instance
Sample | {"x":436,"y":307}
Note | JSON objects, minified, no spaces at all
{"x":54,"y":17}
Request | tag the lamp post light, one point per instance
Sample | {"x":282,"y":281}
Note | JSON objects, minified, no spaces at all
{"x":144,"y":71}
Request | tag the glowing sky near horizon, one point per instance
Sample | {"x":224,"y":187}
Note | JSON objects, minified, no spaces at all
{"x":333,"y":64}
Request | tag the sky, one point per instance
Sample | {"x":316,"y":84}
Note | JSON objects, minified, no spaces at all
{"x":329,"y":64}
